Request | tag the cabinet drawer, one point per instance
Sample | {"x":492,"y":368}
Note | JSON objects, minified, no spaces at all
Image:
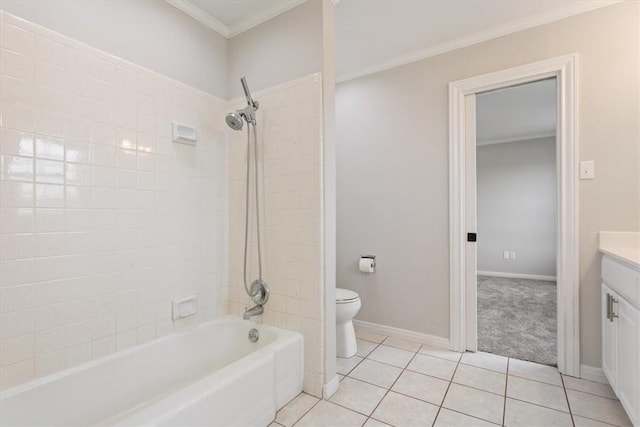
{"x":622,"y":279}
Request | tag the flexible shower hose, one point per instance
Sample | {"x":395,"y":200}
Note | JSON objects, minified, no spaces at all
{"x":246,"y":210}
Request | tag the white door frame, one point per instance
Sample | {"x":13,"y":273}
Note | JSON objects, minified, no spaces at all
{"x":564,"y":70}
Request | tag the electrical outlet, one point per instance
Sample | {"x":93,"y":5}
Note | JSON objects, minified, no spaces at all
{"x":506,"y":254}
{"x":512,"y":255}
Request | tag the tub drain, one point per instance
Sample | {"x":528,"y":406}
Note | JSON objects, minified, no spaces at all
{"x":254,"y":335}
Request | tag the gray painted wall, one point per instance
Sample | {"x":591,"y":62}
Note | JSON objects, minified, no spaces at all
{"x":284,"y":48}
{"x":156,"y":35}
{"x":150,"y":33}
{"x":517,"y":206}
{"x":392,"y":165}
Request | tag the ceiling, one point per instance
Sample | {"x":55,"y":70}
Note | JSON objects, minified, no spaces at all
{"x":517,"y":113}
{"x":231,"y":17}
{"x":374,"y":35}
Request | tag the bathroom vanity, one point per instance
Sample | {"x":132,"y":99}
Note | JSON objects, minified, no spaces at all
{"x":621,"y":317}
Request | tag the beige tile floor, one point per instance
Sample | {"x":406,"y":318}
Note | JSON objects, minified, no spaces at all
{"x":392,"y":382}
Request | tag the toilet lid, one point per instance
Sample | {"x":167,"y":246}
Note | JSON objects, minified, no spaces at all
{"x":345,"y":295}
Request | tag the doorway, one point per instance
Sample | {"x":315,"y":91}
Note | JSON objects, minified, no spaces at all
{"x":516,"y":215}
{"x":463,"y":210}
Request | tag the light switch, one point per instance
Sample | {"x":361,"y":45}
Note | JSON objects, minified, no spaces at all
{"x":587,"y":169}
{"x":506,"y":254}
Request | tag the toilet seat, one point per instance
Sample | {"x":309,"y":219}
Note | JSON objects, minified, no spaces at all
{"x":344,"y":296}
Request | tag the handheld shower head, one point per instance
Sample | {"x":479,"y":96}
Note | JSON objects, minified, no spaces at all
{"x":247,"y":92}
{"x":234,"y":121}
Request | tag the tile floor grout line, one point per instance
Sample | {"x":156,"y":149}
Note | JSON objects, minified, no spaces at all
{"x":479,"y":367}
{"x":615,"y":399}
{"x":471,"y":416}
{"x":451,"y":381}
{"x":383,"y":422}
{"x":401,"y":348}
{"x":416,"y":398}
{"x":569,"y":411}
{"x":444,"y":396}
{"x":375,"y":342}
{"x":354,"y":366}
{"x":306,"y":412}
{"x":479,"y":389}
{"x":394,"y":382}
{"x":431,"y":376}
{"x":363,"y":357}
{"x":537,"y":404}
{"x":387,"y":390}
{"x":506,"y":384}
{"x":367,"y":382}
{"x":609,"y":423}
{"x":566,"y":396}
{"x":592,"y":394}
{"x":384,"y":363}
{"x":538,"y":381}
{"x":350,"y":409}
{"x":437,"y":404}
{"x":493,"y":370}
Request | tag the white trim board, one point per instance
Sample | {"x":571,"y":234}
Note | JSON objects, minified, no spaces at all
{"x":201,"y":16}
{"x":517,"y":275}
{"x":593,"y":374}
{"x":479,"y":37}
{"x":330,"y":388}
{"x":254,"y":21}
{"x":400,"y":333}
{"x":564,"y":69}
{"x":228,"y":31}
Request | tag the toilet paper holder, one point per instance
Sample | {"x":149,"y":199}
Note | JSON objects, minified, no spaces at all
{"x":373,"y":261}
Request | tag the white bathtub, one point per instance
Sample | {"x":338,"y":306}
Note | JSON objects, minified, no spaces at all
{"x":210,"y":375}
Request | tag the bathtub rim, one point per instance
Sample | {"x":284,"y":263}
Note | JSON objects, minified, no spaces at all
{"x":283,"y":334}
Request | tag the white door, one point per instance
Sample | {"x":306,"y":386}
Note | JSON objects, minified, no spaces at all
{"x":471,"y":254}
{"x":463,"y":281}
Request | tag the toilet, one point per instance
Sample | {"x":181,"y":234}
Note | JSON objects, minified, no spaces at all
{"x":347,"y":306}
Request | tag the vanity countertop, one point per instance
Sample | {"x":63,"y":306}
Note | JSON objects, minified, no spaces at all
{"x":628,"y":256}
{"x":623,"y":246}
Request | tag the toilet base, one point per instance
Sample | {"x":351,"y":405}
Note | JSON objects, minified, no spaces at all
{"x":346,"y":345}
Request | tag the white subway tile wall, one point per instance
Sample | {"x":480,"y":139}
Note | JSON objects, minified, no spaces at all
{"x":290,"y":150}
{"x":103,"y":220}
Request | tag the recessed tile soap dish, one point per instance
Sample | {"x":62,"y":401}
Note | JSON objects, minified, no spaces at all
{"x":184,"y":134}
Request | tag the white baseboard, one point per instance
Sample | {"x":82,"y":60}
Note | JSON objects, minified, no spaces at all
{"x":593,"y":374}
{"x":518,"y":276}
{"x":330,"y":387}
{"x":404,"y":334}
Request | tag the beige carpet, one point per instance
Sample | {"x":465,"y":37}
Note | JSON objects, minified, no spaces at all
{"x":517,"y":318}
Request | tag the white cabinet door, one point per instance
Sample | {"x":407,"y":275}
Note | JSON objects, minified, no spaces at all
{"x":609,"y":347}
{"x":628,"y":355}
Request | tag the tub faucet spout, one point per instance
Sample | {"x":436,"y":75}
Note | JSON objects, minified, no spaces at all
{"x":253,"y":311}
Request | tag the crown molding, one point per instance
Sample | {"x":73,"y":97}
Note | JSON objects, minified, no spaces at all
{"x":256,"y":20}
{"x":528,"y":137}
{"x":201,"y":16}
{"x":479,"y":37}
{"x":233,"y":30}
